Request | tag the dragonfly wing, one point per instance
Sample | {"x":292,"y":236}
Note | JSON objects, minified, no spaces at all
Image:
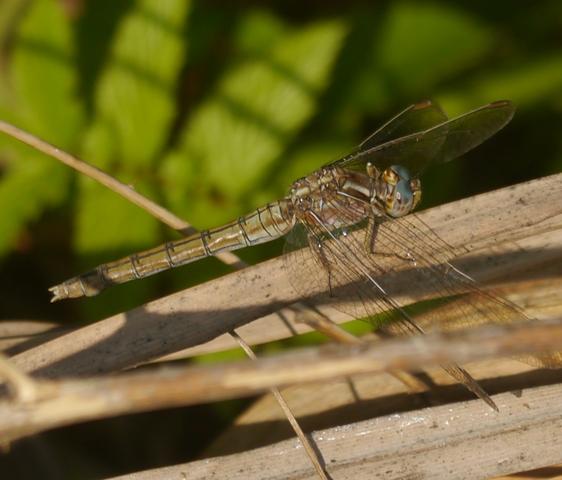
{"x":409,"y":262}
{"x":437,"y":144}
{"x":471,"y":129}
{"x":306,"y":272}
{"x":416,"y":118}
{"x":474,"y":306}
{"x":316,"y":265}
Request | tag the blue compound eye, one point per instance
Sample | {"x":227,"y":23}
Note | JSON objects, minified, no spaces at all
{"x":402,"y":172}
{"x":403,"y":199}
{"x":403,"y":194}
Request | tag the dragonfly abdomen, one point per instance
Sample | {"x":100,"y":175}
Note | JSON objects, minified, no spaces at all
{"x":262,"y":225}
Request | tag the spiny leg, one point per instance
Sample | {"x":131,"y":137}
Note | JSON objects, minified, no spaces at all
{"x":371,"y":234}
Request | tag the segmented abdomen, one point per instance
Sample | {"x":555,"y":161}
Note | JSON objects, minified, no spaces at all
{"x":262,"y":225}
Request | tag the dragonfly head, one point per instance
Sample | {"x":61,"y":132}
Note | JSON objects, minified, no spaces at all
{"x":400,"y":192}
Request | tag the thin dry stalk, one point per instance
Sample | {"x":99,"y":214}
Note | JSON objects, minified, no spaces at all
{"x":107,"y":180}
{"x":310,"y":451}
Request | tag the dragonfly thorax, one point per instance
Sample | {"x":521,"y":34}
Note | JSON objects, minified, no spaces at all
{"x":397,"y":191}
{"x":310,"y":191}
{"x":333,"y":196}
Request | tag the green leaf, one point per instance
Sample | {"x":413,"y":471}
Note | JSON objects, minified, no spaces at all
{"x":444,"y":41}
{"x":44,"y":76}
{"x":134,"y":108}
{"x":257,"y":31}
{"x":203,"y":209}
{"x":100,"y":144}
{"x":136,"y":92}
{"x":107,"y":223}
{"x":24,"y":192}
{"x":259,"y":107}
{"x":534,"y":82}
{"x":418,"y":46}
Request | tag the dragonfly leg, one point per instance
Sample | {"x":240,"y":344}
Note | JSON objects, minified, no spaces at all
{"x":370,"y":241}
{"x":371,"y":237}
{"x":371,"y":234}
{"x":321,"y":256}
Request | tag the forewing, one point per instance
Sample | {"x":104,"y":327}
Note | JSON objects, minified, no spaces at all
{"x":416,"y":118}
{"x":471,"y":129}
{"x":438,"y":144}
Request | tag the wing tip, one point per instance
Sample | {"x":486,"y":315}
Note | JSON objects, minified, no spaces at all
{"x":502,"y":104}
{"x":422,"y":104}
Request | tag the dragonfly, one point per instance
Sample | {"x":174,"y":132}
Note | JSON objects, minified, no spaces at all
{"x":352,"y":235}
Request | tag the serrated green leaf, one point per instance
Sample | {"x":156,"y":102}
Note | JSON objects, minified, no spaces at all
{"x":259,"y":107}
{"x":43,"y":79}
{"x":135,"y":105}
{"x":100,"y":144}
{"x":203,"y":210}
{"x":44,"y":76}
{"x":175,"y":174}
{"x":136,"y":92}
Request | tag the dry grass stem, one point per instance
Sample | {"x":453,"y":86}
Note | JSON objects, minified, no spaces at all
{"x":68,"y":401}
{"x":464,"y":441}
{"x":21,"y":385}
{"x":19,"y":335}
{"x":309,"y":449}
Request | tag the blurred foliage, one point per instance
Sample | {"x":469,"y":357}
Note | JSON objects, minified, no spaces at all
{"x":213,"y":109}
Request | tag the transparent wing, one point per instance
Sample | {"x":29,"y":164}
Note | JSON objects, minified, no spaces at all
{"x":409,"y":262}
{"x":437,"y":144}
{"x":414,"y":119}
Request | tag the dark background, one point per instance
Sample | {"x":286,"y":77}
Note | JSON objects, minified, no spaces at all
{"x":213,"y":110}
